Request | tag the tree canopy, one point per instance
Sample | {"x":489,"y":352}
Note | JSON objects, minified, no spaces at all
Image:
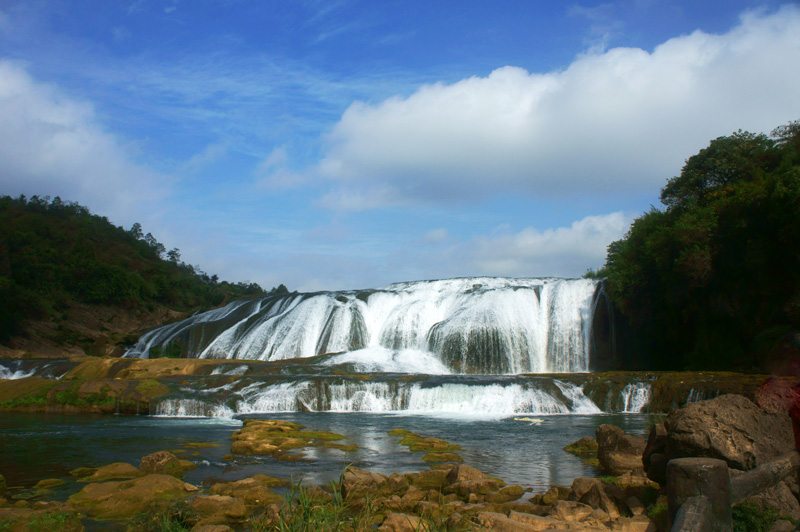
{"x":53,"y":252}
{"x":712,"y":280}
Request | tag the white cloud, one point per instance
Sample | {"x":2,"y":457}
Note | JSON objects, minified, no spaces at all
{"x":211,"y":154}
{"x":53,"y":145}
{"x":563,"y":251}
{"x":613,"y":122}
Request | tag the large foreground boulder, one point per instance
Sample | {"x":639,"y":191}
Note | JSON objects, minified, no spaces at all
{"x":162,"y":463}
{"x":121,"y":500}
{"x":618,"y":452}
{"x":731,"y":428}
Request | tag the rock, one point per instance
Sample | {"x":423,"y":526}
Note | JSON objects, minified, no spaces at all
{"x":117,"y":470}
{"x":467,"y":487}
{"x":211,"y":528}
{"x":219,"y":509}
{"x":463,"y":472}
{"x":635,"y":506}
{"x":3,"y":487}
{"x":429,"y":479}
{"x":397,"y":484}
{"x":359,"y":481}
{"x":550,"y":496}
{"x":500,"y":523}
{"x":731,"y":428}
{"x":570,"y":511}
{"x":596,"y":497}
{"x":507,"y":494}
{"x":617,"y":451}
{"x":656,"y":443}
{"x":254,"y":491}
{"x":782,"y":525}
{"x":123,"y":499}
{"x":586,"y":446}
{"x":162,"y":463}
{"x":187,"y":465}
{"x":536,"y":521}
{"x":49,"y":483}
{"x":396,"y":522}
{"x":634,"y":524}
{"x":780,"y":498}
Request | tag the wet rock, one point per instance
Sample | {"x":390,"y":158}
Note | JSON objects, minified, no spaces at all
{"x":731,"y":428}
{"x":49,"y":483}
{"x":507,"y":494}
{"x":122,"y":499}
{"x":617,"y":451}
{"x":254,"y":491}
{"x":162,"y":463}
{"x":115,"y":471}
{"x":586,"y":446}
{"x":259,"y":448}
{"x":430,"y":479}
{"x":219,"y":509}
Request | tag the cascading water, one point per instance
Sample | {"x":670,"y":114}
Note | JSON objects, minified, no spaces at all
{"x":466,"y":326}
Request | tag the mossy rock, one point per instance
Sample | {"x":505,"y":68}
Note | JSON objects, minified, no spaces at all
{"x":115,"y":471}
{"x":124,"y":499}
{"x":346,"y":447}
{"x":201,"y":445}
{"x":49,"y":483}
{"x":81,"y":472}
{"x":586,"y":446}
{"x":442,"y":457}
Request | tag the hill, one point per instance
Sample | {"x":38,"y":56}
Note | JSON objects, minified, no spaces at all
{"x":72,"y":282}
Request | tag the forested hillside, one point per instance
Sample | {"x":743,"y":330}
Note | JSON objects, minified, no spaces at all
{"x":56,"y":253}
{"x":712,"y":279}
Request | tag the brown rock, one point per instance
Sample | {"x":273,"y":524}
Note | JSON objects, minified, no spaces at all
{"x":781,"y":499}
{"x":570,"y":511}
{"x":634,"y":524}
{"x":467,"y":487}
{"x":219,"y":509}
{"x":24,"y":519}
{"x":162,"y":463}
{"x":536,"y":521}
{"x":596,"y":497}
{"x":396,"y":522}
{"x":254,"y":447}
{"x":211,"y":528}
{"x":617,"y":451}
{"x":463,"y":472}
{"x":731,"y":428}
{"x":500,"y":523}
{"x":360,"y":481}
{"x":253,"y":491}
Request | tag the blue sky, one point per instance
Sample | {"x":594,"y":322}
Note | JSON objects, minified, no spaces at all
{"x":348,"y":144}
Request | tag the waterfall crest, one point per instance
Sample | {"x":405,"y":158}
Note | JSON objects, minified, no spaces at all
{"x":480,"y":325}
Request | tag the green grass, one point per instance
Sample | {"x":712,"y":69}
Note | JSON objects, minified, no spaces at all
{"x":750,"y":517}
{"x":49,"y":522}
{"x":178,"y":517}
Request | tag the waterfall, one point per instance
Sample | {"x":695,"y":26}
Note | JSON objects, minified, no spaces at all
{"x":461,"y":398}
{"x":469,"y":326}
{"x":635,"y":397}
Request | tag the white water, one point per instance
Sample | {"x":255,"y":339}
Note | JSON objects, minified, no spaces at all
{"x":635,"y":397}
{"x":9,"y":374}
{"x":493,"y":401}
{"x":474,"y":325}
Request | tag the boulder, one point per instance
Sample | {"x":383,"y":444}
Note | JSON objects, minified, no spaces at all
{"x":219,"y":509}
{"x":654,"y":458}
{"x":115,"y":471}
{"x":123,"y":499}
{"x":463,"y":472}
{"x":360,"y":481}
{"x":162,"y":463}
{"x":500,"y":523}
{"x":570,"y":511}
{"x":780,"y":498}
{"x":254,"y":491}
{"x":467,"y":487}
{"x":536,"y":521}
{"x":211,"y":528}
{"x":731,"y":428}
{"x":397,"y":522}
{"x":617,"y":451}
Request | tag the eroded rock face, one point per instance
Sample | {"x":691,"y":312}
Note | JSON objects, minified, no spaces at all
{"x":618,"y":452}
{"x":731,"y":428}
{"x":162,"y":463}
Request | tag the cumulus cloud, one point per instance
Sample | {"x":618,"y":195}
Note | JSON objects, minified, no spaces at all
{"x":616,"y":121}
{"x":52,"y":145}
{"x":563,"y":251}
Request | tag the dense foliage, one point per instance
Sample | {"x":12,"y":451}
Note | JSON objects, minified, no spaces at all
{"x":712,"y":280}
{"x":53,"y":252}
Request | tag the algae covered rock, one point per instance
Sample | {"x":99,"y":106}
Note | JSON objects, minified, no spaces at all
{"x":57,"y":518}
{"x":253,"y":491}
{"x":124,"y":499}
{"x":117,"y":470}
{"x":162,"y":463}
{"x":219,"y":509}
